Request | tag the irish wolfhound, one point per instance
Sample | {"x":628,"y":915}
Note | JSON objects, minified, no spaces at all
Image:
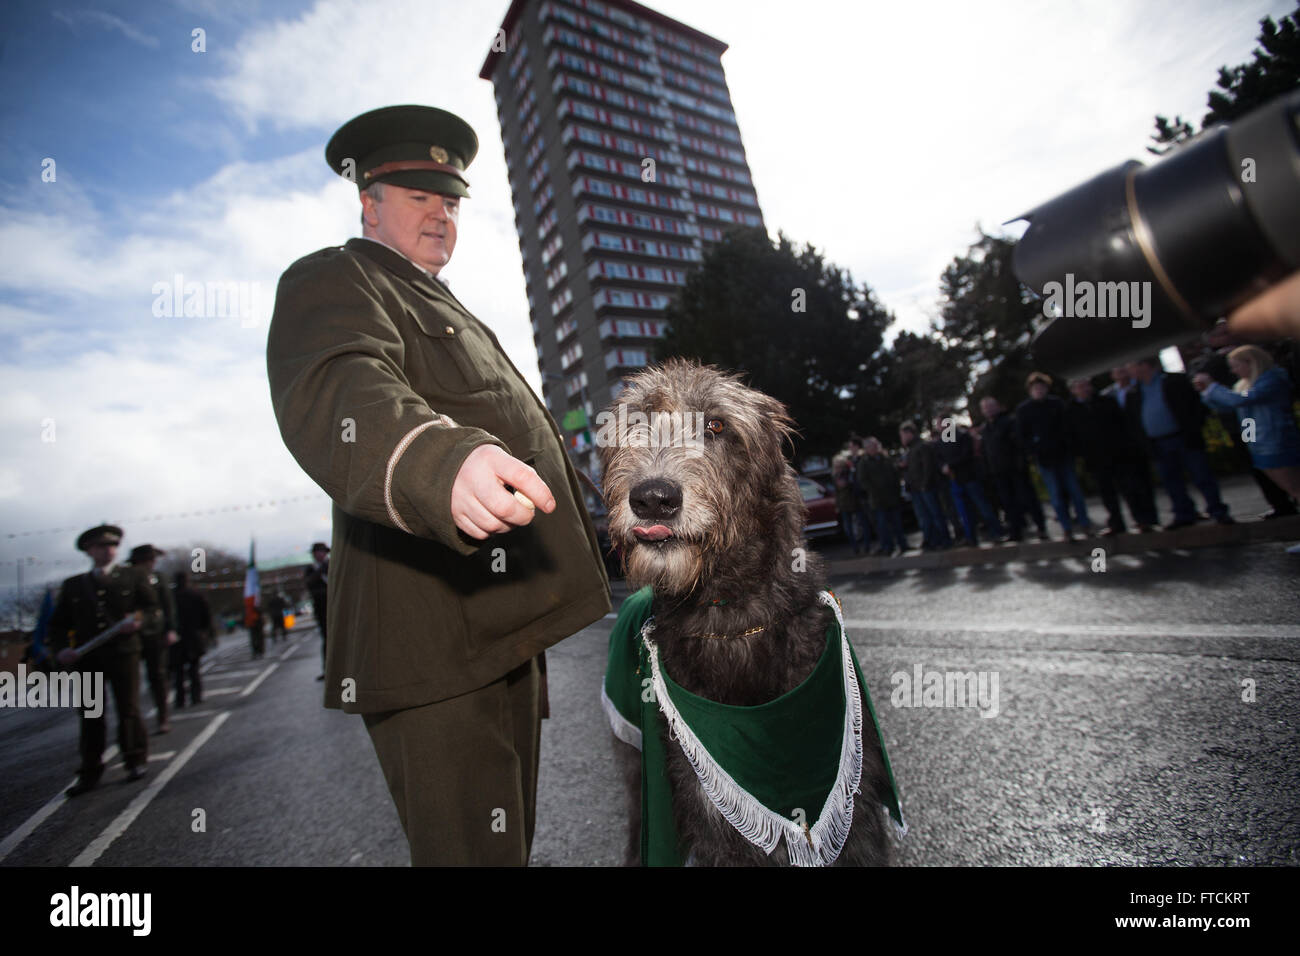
{"x":708,"y":514}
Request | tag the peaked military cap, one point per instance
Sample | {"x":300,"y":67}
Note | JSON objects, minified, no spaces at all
{"x":100,"y":534}
{"x":145,"y":552}
{"x":420,"y":147}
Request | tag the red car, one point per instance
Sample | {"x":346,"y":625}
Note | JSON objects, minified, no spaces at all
{"x":823,"y":517}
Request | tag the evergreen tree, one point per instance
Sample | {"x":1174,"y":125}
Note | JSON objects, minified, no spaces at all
{"x":799,"y":327}
{"x":1275,"y":70}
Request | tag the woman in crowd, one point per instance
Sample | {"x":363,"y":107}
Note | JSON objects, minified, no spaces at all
{"x":1262,"y":401}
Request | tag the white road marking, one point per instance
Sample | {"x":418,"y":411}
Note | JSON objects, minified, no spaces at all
{"x":29,"y":825}
{"x":288,"y":651}
{"x":193,"y":714}
{"x":1157,"y":629}
{"x":224,"y":674}
{"x":158,"y":757}
{"x":95,"y":850}
{"x":218,"y":691}
{"x":261,"y":677}
{"x":124,"y":820}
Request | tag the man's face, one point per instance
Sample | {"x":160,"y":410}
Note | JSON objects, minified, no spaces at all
{"x":103,"y":554}
{"x":1037,"y":391}
{"x":906,"y":436}
{"x":1219,"y":337}
{"x":1143,"y":372}
{"x":320,"y":554}
{"x":418,"y":224}
{"x":1081,"y":389}
{"x":989,"y":408}
{"x":1120,"y":375}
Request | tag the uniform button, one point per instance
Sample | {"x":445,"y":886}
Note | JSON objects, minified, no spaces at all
{"x":450,"y":330}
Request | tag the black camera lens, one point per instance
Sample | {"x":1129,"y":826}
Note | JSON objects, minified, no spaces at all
{"x":1139,"y":258}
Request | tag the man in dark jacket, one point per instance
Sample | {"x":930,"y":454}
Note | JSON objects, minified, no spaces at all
{"x":1045,"y":435}
{"x":1009,"y":470}
{"x":878,"y":477}
{"x":316,"y":577}
{"x":1100,"y":432}
{"x":462,"y":548}
{"x":920,"y":466}
{"x":1164,"y":408}
{"x":193,"y":624}
{"x":157,"y":633}
{"x":956,"y":450}
{"x":88,"y":605}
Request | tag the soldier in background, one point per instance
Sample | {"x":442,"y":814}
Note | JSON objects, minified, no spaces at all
{"x":157,"y":633}
{"x":193,"y":623}
{"x":317,"y":579}
{"x":276,"y":608}
{"x":90,"y":604}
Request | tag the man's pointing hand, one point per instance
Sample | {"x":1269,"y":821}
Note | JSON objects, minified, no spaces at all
{"x":480,"y":503}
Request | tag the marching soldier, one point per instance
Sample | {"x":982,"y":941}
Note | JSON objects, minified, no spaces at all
{"x":90,"y":604}
{"x":445,"y":586}
{"x":158,"y":632}
{"x":317,"y":579}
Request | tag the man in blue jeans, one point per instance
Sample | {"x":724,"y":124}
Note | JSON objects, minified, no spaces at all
{"x":1164,"y":408}
{"x":921,"y":471}
{"x":1044,"y":433}
{"x":957,"y":456}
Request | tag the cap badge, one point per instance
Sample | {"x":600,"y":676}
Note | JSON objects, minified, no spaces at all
{"x":437,"y":154}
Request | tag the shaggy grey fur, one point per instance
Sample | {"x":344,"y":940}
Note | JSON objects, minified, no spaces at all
{"x":733,"y":506}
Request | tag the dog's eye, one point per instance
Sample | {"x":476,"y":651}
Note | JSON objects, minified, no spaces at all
{"x":715,"y":425}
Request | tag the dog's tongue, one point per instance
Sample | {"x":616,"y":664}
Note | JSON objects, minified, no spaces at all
{"x":655,"y":533}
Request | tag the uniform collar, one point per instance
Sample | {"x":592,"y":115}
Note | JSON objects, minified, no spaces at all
{"x":396,"y":261}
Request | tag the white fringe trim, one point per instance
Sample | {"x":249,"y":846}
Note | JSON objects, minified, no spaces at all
{"x":623,"y":728}
{"x":816,"y":845}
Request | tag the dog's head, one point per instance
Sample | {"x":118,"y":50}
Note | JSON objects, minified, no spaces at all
{"x":695,"y":476}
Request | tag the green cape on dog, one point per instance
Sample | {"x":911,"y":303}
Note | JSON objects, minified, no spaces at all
{"x":788,"y":767}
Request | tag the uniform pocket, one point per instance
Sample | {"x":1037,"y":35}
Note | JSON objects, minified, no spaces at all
{"x":455,"y":354}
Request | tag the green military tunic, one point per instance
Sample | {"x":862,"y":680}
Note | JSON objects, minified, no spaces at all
{"x":88,"y":606}
{"x":382,"y":384}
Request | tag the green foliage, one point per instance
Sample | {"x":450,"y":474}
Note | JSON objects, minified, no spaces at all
{"x":924,"y":376}
{"x":986,"y":320}
{"x":800,"y":327}
{"x":1275,"y":70}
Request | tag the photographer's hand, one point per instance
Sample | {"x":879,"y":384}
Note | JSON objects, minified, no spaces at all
{"x":1273,"y":314}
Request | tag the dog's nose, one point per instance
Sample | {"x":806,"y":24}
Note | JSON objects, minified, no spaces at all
{"x":656,"y":499}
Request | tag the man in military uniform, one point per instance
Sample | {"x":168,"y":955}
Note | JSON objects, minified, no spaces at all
{"x":90,"y":604}
{"x":157,"y":632}
{"x":317,"y":579}
{"x":461,"y":548}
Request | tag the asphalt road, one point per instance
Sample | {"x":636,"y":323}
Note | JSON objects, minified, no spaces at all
{"x":1121,"y":734}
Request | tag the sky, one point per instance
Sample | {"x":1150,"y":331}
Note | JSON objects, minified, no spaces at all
{"x":151,"y":145}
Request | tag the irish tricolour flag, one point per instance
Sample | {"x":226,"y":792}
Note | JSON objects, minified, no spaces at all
{"x":251,"y":586}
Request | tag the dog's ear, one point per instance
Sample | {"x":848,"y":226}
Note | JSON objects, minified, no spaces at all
{"x":782,"y":424}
